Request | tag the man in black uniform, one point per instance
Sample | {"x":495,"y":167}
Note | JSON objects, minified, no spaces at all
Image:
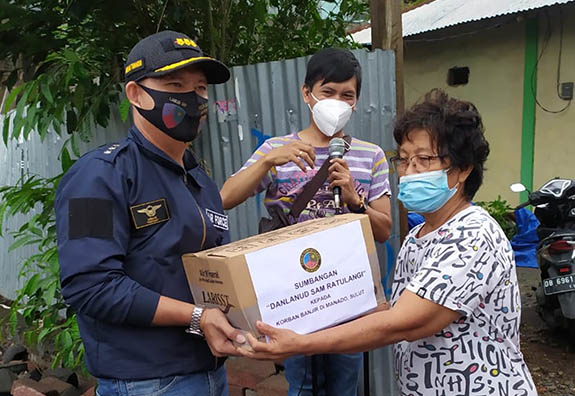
{"x":125,"y":215}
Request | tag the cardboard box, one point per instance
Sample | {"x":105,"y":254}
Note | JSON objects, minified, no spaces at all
{"x":305,"y":277}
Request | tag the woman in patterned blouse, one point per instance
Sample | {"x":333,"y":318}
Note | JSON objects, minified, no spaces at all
{"x":455,"y":304}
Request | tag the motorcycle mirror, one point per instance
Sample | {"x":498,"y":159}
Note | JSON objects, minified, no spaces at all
{"x":517,"y":187}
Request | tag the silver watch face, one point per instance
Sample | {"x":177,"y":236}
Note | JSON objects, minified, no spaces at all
{"x":198,"y":333}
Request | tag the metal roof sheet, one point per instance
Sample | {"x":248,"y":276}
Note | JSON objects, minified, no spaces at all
{"x":440,"y":14}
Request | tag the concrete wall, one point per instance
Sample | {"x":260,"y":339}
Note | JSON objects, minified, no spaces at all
{"x":496,"y":57}
{"x":554,"y":144}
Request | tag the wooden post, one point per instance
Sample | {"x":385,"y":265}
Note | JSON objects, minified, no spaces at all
{"x":387,"y":33}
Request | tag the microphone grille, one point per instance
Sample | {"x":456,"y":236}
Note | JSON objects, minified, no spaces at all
{"x":336,"y":147}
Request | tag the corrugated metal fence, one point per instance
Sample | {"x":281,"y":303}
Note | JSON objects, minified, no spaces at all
{"x":259,"y":101}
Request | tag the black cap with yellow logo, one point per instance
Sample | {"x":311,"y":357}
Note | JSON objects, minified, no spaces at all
{"x":168,"y":51}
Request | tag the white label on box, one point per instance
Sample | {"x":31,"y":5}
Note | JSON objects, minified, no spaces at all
{"x":315,"y":281}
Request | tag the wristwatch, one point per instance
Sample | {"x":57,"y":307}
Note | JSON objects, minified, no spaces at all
{"x":361,"y":208}
{"x":194,"y":327}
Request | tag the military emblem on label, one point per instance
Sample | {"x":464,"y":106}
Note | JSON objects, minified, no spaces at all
{"x":150,"y":213}
{"x":310,"y":260}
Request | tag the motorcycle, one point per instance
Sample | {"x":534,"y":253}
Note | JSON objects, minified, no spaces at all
{"x":554,"y":205}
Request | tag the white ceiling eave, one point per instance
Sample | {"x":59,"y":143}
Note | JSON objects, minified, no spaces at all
{"x":441,"y":14}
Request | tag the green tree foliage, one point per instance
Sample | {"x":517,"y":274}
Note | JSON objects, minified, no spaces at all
{"x":70,"y":54}
{"x":68,"y":58}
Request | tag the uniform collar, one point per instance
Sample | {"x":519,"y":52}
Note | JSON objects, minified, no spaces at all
{"x":193,"y":168}
{"x":157,"y":155}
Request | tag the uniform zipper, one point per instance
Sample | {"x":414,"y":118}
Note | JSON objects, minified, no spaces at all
{"x":185,"y":178}
{"x":201,"y":248}
{"x":204,"y":225}
{"x":201,"y":215}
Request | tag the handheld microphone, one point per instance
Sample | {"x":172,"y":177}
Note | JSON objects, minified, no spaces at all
{"x":336,"y":150}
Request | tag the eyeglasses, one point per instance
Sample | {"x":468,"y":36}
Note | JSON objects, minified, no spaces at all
{"x":422,"y":162}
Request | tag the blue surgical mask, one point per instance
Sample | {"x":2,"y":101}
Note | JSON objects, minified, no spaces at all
{"x":425,"y":192}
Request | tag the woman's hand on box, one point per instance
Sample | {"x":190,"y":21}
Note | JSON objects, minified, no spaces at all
{"x":281,"y":344}
{"x":220,"y":335}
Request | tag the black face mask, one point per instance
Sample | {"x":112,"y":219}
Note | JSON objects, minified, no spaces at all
{"x":176,"y":114}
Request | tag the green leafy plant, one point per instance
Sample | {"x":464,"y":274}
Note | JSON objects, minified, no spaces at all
{"x":47,"y":320}
{"x":502,"y":212}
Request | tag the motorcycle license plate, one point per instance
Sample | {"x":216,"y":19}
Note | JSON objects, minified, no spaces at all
{"x":560,"y":284}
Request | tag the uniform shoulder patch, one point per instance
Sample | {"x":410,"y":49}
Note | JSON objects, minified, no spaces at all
{"x":149,"y":213}
{"x":90,"y":218}
{"x":109,"y":152}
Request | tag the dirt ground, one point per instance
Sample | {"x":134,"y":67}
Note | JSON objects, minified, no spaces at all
{"x":552,"y":366}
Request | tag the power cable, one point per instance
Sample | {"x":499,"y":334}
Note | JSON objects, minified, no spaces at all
{"x":534,"y":73}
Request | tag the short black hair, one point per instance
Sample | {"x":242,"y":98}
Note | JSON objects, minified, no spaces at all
{"x":333,"y":65}
{"x":455,"y":128}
